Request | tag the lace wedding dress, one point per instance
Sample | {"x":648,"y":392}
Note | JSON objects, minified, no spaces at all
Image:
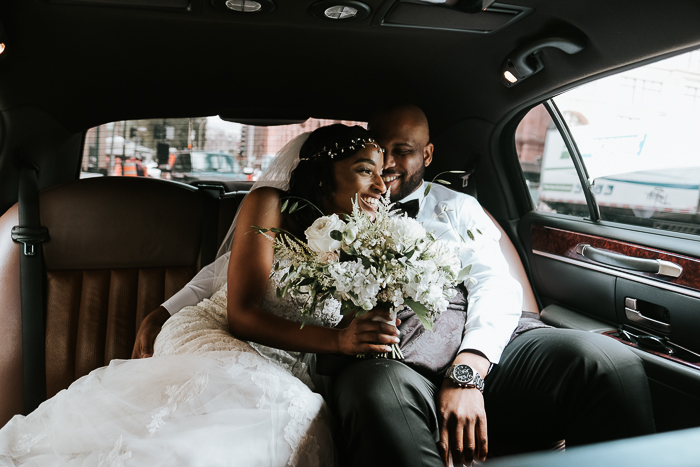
{"x":204,"y":399}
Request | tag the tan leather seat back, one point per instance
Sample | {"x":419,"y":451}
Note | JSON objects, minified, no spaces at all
{"x":119,"y":247}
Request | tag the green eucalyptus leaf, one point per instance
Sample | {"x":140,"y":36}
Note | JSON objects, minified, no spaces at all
{"x":471,"y":235}
{"x":421,"y":312}
{"x":444,"y":182}
{"x":275,"y":230}
{"x":337,"y":235}
{"x":479,"y":232}
{"x":294,"y":207}
{"x":284,"y":205}
{"x":427,"y":189}
{"x":456,"y":172}
{"x":464,"y":273}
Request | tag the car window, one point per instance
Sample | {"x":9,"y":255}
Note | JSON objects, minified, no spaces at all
{"x":547,"y":166}
{"x":187,"y":149}
{"x":637,"y":133}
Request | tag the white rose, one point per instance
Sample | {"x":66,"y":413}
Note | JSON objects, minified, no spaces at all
{"x":329,"y":257}
{"x":319,"y":234}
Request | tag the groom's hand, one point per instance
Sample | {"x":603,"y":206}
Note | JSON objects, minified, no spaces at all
{"x":462,"y":417}
{"x":148,"y":331}
{"x":365,"y":335}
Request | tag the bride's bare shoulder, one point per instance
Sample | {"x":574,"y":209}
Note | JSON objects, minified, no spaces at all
{"x":262,"y":206}
{"x":263,"y":196}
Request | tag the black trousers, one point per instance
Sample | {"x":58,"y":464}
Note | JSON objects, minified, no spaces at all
{"x":551,"y":384}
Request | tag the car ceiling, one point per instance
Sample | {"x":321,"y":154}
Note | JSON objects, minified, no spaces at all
{"x":87,"y":64}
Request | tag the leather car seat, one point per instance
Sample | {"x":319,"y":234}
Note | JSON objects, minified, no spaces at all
{"x":118,"y":248}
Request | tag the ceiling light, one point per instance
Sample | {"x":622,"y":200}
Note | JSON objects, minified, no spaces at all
{"x":245,"y":6}
{"x":340,"y":12}
{"x":526,"y":60}
{"x":509,"y":76}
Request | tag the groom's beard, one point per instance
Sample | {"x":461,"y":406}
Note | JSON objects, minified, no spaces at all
{"x":408,"y":185}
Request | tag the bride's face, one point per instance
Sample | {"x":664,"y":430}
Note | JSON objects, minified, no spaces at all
{"x":359,"y":175}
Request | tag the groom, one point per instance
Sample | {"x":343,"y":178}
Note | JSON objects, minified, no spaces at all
{"x":543,"y":386}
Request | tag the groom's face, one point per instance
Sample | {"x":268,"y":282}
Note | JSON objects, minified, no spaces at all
{"x":403,"y":133}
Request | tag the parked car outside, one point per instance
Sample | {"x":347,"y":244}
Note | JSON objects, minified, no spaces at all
{"x":201,"y":165}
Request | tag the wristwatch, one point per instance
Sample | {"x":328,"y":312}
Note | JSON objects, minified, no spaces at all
{"x":464,"y":376}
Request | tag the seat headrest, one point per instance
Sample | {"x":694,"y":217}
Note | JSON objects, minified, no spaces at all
{"x":120,"y":222}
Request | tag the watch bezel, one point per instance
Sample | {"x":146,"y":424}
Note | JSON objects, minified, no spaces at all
{"x":473,"y":381}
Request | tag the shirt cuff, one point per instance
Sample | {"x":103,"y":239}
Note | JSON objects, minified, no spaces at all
{"x":484,"y":342}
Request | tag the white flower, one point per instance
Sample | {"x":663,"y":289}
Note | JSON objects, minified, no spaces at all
{"x":328,"y":257}
{"x":350,"y":233}
{"x":319,"y":234}
{"x":405,"y":232}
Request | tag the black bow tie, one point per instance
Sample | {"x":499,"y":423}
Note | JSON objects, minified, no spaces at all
{"x":409,"y":207}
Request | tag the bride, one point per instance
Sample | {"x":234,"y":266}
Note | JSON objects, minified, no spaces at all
{"x":207,"y":397}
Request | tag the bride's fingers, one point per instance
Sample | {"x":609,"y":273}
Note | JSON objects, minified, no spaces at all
{"x":376,"y":326}
{"x":377,"y":313}
{"x":375,"y":348}
{"x":374,"y":337}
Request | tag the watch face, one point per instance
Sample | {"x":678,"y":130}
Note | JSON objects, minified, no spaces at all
{"x":463,"y":373}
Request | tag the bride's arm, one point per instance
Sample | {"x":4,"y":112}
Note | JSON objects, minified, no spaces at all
{"x":251,"y":261}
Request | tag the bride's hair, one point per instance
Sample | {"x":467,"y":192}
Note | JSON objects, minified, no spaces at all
{"x":313,"y":179}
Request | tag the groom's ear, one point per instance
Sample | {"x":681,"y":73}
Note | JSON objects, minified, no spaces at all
{"x":428,"y":154}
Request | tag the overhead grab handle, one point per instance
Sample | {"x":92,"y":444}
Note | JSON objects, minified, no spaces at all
{"x":653,"y":266}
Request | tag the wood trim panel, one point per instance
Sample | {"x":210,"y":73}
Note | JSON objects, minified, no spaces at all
{"x":563,"y":243}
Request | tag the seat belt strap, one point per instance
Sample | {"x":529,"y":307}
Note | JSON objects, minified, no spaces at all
{"x":30,"y":235}
{"x":210,"y":221}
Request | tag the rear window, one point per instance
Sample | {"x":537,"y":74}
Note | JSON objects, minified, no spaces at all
{"x":188,"y":149}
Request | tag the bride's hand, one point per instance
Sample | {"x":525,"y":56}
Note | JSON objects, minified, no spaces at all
{"x":364,"y":335}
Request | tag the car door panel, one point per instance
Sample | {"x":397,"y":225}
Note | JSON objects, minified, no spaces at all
{"x":579,"y":293}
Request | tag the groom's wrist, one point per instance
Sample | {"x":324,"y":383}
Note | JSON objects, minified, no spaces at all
{"x":479,"y":363}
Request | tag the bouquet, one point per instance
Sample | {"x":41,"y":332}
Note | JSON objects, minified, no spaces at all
{"x":392,"y":261}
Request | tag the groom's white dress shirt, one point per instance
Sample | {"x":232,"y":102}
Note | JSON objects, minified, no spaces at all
{"x":494,"y":302}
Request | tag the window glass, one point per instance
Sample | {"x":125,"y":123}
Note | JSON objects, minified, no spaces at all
{"x":187,"y":149}
{"x":547,"y":166}
{"x":637,"y":133}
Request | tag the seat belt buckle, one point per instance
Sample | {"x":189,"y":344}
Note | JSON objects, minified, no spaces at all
{"x":29,"y":237}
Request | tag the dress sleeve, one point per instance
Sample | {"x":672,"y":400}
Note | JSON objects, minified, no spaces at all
{"x":495,"y":300}
{"x":200,"y":287}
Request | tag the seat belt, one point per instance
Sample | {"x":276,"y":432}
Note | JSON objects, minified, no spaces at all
{"x":30,"y":234}
{"x":211,"y":194}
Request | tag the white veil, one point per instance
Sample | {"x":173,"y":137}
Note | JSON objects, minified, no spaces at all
{"x":277,"y":176}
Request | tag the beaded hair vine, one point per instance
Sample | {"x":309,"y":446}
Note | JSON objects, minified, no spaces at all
{"x":359,"y":143}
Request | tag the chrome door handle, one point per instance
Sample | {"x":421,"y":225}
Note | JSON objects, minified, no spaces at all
{"x":654,"y":266}
{"x":636,"y":317}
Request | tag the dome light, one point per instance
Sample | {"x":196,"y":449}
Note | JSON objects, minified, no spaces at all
{"x":340,"y":12}
{"x":244,"y":6}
